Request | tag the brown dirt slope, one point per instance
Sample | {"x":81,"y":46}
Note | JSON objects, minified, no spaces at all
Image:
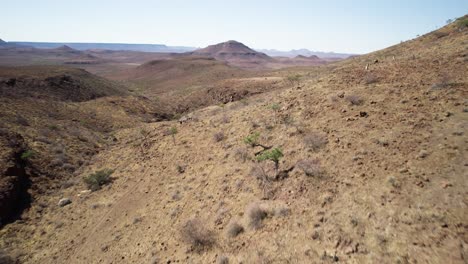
{"x":188,"y":83}
{"x":55,"y":83}
{"x":374,"y":171}
{"x":52,"y":120}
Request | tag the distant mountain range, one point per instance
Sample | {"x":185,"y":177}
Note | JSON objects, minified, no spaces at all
{"x":165,"y":48}
{"x":304,"y":52}
{"x":106,"y":46}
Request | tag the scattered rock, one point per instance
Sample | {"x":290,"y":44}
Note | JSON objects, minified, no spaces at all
{"x":64,"y":201}
{"x":423,"y":154}
{"x":349,"y":250}
{"x":445,"y":185}
{"x":315,"y":235}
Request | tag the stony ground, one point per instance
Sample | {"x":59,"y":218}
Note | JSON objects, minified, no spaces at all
{"x":374,"y":169}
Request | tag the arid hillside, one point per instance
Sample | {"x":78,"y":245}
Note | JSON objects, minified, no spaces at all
{"x":188,"y":83}
{"x":359,"y":161}
{"x":53,"y":120}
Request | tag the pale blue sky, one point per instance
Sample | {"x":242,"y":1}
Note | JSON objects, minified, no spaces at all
{"x":357,"y":26}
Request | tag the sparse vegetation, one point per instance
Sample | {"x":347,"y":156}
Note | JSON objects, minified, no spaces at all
{"x":442,"y":82}
{"x":241,"y":154}
{"x":311,"y":167}
{"x":172,"y":131}
{"x":234,"y":229}
{"x":96,"y":180}
{"x":252,"y":139}
{"x":370,"y":79}
{"x":180,"y":168}
{"x":274,"y":155}
{"x":219,"y":136}
{"x":354,"y":99}
{"x":462,"y":22}
{"x":315,"y":141}
{"x":6,"y":259}
{"x":28,"y":154}
{"x":225,"y":119}
{"x":222,"y":260}
{"x":197,"y":235}
{"x":20,"y":120}
{"x":275,"y":107}
{"x":294,"y":79}
{"x":255,"y":215}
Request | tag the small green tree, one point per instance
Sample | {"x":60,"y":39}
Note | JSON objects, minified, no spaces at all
{"x":28,"y":154}
{"x":274,"y":155}
{"x":252,"y":139}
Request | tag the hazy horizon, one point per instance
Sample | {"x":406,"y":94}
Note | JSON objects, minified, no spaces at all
{"x":339,"y":26}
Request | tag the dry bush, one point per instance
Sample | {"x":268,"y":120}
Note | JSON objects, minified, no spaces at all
{"x":442,"y":82}
{"x":20,"y":120}
{"x":334,"y":98}
{"x":311,"y":167}
{"x":219,"y":136}
{"x":222,"y":260}
{"x":255,"y":215}
{"x":226,"y":119}
{"x":56,"y":163}
{"x":44,"y":140}
{"x":234,"y":229}
{"x":439,"y":34}
{"x":315,"y":141}
{"x":96,"y":180}
{"x":282,"y":211}
{"x":370,"y":78}
{"x":5,"y":258}
{"x":69,"y":167}
{"x":259,"y":173}
{"x":354,"y":99}
{"x":197,"y":235}
{"x":58,"y":149}
{"x":241,"y":154}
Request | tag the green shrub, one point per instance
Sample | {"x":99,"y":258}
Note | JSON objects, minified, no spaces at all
{"x":27,"y":154}
{"x":172,"y":131}
{"x":462,"y":22}
{"x":99,"y":178}
{"x":294,"y":79}
{"x":252,"y":139}
{"x":275,"y":107}
{"x":273,"y":155}
{"x":198,"y":235}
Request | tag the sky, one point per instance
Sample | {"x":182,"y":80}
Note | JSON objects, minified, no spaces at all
{"x":352,"y":26}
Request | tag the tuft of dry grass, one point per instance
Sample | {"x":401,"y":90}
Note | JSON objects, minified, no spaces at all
{"x":234,"y":229}
{"x":315,"y":141}
{"x":241,"y":154}
{"x":222,"y":260}
{"x":197,"y":235}
{"x":219,"y":136}
{"x":255,"y":215}
{"x":370,"y":79}
{"x":96,"y":180}
{"x":311,"y":167}
{"x":354,"y":99}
